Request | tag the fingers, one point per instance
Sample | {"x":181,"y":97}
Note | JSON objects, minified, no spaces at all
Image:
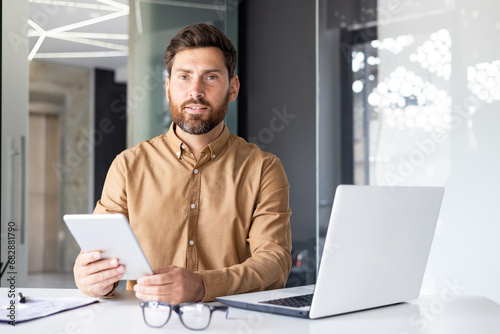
{"x":97,"y":275}
{"x":172,"y":284}
{"x":102,"y":271}
{"x":86,"y":258}
{"x":101,"y":266}
{"x":159,"y":287}
{"x":163,"y":293}
{"x":99,"y":285}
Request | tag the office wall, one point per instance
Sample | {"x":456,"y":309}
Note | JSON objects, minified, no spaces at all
{"x":277,"y":106}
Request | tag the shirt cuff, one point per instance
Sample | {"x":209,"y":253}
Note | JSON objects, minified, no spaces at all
{"x":215,"y":284}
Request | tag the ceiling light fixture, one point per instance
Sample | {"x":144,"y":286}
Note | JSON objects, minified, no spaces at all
{"x":86,"y":38}
{"x":82,"y":54}
{"x":95,"y":35}
{"x":75,"y":4}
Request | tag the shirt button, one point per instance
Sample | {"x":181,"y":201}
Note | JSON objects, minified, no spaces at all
{"x":183,"y":146}
{"x":191,"y":242}
{"x":196,"y":171}
{"x":193,"y":206}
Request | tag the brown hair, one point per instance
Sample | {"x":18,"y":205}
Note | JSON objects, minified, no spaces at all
{"x":199,"y":36}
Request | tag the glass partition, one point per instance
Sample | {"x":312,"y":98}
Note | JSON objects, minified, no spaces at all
{"x":425,"y":98}
{"x":438,"y":100}
{"x":417,"y":103}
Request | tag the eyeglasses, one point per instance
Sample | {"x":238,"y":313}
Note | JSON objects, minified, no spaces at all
{"x":195,"y":316}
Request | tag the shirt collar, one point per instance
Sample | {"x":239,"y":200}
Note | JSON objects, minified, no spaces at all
{"x":215,"y":148}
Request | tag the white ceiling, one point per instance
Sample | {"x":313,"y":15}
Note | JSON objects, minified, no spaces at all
{"x":88,"y":33}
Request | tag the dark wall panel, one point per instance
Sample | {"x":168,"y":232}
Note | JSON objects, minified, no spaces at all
{"x":110,"y":126}
{"x":277,"y":101}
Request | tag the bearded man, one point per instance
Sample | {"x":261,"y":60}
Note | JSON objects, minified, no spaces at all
{"x":209,"y":209}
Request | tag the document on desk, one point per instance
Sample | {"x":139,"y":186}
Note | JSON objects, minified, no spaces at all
{"x":35,"y":308}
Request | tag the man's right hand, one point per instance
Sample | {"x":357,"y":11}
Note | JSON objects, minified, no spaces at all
{"x":95,"y":275}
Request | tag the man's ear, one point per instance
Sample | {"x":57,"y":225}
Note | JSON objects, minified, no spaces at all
{"x":167,"y":87}
{"x":234,"y":88}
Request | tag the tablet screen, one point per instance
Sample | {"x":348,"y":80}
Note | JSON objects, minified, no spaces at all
{"x":111,"y":234}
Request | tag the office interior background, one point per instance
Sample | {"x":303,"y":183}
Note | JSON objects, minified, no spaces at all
{"x":387,"y":92}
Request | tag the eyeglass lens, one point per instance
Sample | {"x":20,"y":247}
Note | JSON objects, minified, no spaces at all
{"x":155,"y":314}
{"x":195,"y":316}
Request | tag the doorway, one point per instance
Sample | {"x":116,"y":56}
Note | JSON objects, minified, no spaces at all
{"x":44,"y":187}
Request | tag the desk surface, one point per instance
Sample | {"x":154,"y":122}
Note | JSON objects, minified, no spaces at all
{"x":464,"y":314}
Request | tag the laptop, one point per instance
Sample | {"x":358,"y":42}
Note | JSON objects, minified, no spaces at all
{"x":375,"y":253}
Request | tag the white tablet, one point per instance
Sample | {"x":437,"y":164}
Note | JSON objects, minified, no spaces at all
{"x":111,"y":234}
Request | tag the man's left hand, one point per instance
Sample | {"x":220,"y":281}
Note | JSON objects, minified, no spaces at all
{"x":172,"y":285}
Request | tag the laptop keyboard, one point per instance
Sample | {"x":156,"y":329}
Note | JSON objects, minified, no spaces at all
{"x":295,"y":301}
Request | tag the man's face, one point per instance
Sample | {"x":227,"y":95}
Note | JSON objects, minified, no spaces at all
{"x":199,"y":89}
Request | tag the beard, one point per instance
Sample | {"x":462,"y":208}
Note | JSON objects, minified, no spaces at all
{"x":198,"y":124}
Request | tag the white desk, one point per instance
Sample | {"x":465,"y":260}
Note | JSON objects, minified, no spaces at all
{"x":464,"y":314}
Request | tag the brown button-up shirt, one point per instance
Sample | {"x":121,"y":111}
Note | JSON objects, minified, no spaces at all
{"x":225,"y":216}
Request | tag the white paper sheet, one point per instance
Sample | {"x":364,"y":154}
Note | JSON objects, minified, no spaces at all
{"x":35,"y":308}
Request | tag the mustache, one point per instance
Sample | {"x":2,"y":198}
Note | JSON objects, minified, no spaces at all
{"x":200,"y":101}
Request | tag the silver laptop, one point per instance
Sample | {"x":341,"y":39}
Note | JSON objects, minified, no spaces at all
{"x":375,"y":254}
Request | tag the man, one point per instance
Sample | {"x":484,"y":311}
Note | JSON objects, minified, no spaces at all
{"x":209,"y":209}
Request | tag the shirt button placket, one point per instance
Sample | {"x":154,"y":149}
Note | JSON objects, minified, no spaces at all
{"x":192,"y":258}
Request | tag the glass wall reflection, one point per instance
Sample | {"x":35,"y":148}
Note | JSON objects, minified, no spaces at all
{"x":430,"y":120}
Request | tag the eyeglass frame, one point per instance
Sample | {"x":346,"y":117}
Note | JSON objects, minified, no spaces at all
{"x":176,"y":308}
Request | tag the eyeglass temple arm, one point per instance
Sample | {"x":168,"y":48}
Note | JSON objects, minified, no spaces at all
{"x":220,"y":308}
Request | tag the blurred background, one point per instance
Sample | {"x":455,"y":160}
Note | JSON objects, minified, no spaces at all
{"x":385,"y":92}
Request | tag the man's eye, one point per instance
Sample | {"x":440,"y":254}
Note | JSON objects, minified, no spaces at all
{"x":183,"y":77}
{"x":212,"y":77}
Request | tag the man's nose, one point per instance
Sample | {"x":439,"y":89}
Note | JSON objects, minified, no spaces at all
{"x":197,"y":89}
